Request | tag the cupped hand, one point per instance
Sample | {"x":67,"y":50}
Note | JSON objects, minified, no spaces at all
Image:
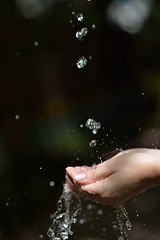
{"x":119,"y":178}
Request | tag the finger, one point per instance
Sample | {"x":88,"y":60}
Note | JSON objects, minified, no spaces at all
{"x":98,"y":188}
{"x":73,"y":171}
{"x":100,"y":192}
{"x":95,"y":174}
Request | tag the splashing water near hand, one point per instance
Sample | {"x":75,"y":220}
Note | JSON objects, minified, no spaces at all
{"x":68,"y":207}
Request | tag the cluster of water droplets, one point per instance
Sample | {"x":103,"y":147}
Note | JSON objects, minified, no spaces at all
{"x":80,"y":35}
{"x":68,"y":207}
{"x":94,"y":126}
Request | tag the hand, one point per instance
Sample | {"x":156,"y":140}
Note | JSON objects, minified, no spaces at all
{"x":123,"y":176}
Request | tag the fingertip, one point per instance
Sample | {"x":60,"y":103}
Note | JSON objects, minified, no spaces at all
{"x":68,"y":169}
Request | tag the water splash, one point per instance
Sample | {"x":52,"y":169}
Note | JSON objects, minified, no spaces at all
{"x":68,"y":207}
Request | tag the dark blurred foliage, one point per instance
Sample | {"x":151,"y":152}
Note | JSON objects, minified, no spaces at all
{"x":44,"y":98}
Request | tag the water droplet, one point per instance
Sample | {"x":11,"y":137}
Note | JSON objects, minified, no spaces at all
{"x":89,"y":206}
{"x":36,"y":44}
{"x":100,"y":212}
{"x":120,"y":238}
{"x":114,"y":227}
{"x":81,"y":63}
{"x":93,"y":125}
{"x":81,"y":34}
{"x":79,"y":17}
{"x":17,"y":54}
{"x":82,"y":221}
{"x":52,"y":183}
{"x":17,"y":117}
{"x":128,"y":225}
{"x":94,"y":131}
{"x":93,"y":143}
{"x":93,"y":27}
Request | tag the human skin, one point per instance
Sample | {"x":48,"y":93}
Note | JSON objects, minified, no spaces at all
{"x":119,"y":178}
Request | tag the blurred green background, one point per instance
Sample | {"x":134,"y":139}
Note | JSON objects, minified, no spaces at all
{"x":44,"y":98}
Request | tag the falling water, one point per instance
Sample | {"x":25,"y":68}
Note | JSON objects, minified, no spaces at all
{"x":122,"y":223}
{"x":68,"y":207}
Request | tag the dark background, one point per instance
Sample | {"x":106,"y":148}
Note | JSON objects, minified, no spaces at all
{"x":44,"y":98}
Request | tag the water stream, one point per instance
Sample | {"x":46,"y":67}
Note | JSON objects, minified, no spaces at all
{"x":68,"y":207}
